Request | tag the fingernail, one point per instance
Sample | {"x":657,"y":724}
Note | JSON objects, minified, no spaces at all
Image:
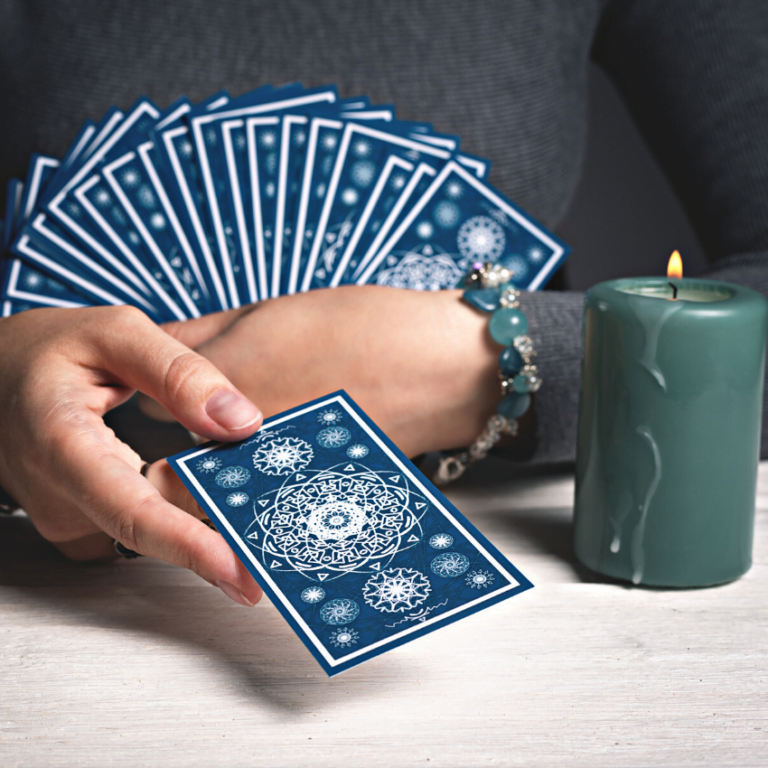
{"x":231,"y":410}
{"x":233,"y":593}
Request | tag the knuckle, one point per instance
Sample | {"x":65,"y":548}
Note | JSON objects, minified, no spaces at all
{"x":184,"y":369}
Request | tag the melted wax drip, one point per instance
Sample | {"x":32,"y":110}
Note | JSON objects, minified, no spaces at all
{"x":652,"y":327}
{"x":639,"y":532}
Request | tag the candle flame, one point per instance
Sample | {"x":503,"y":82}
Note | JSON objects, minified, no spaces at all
{"x":675,"y":265}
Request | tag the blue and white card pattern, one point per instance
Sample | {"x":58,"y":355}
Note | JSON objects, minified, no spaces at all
{"x":460,"y":220}
{"x":357,"y":550}
{"x":206,"y":207}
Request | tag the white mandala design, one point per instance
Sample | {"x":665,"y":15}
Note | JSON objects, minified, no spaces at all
{"x":313,"y":595}
{"x":396,"y":589}
{"x":449,"y":564}
{"x":422,"y":272}
{"x":343,"y":637}
{"x":233,"y":477}
{"x":340,"y":611}
{"x":446,"y":214}
{"x":328,"y":141}
{"x":361,"y":148}
{"x":208,"y":464}
{"x":238,"y":499}
{"x":441,"y":541}
{"x":268,"y":139}
{"x":481,"y":238}
{"x":32,"y":280}
{"x":325,"y":523}
{"x":282,"y":456}
{"x":479,"y":579}
{"x":333,"y":437}
{"x":357,"y":451}
{"x":329,"y":416}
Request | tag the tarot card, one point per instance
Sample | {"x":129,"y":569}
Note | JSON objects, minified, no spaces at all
{"x":386,"y":191}
{"x":24,"y":286}
{"x":353,"y":545}
{"x":206,"y":132}
{"x":356,"y":168}
{"x":457,"y":221}
{"x":413,"y":189}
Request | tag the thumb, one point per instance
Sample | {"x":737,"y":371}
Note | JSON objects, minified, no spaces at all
{"x":138,"y":354}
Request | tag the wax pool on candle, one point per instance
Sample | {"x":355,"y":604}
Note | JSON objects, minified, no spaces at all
{"x":669,"y":430}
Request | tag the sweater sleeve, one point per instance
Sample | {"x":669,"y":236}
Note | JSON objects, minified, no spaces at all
{"x":694,"y":75}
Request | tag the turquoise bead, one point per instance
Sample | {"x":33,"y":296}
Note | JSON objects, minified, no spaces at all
{"x":485,"y":299}
{"x":506,"y":323}
{"x":514,"y":405}
{"x":510,"y":361}
{"x":521,"y":385}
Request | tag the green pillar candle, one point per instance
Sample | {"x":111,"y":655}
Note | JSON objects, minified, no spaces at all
{"x":669,"y":430}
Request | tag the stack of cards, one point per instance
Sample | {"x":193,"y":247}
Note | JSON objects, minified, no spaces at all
{"x":211,"y":206}
{"x":353,"y":545}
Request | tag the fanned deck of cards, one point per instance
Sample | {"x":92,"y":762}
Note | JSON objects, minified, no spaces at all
{"x":353,"y":545}
{"x":210,"y":206}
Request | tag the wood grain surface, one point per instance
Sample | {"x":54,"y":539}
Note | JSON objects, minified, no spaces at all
{"x":142,"y":664}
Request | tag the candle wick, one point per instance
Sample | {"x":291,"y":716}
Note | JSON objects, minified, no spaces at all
{"x":674,"y":290}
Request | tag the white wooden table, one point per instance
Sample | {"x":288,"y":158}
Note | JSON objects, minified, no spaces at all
{"x":142,"y":664}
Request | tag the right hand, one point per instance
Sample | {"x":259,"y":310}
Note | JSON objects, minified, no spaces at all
{"x":63,"y":369}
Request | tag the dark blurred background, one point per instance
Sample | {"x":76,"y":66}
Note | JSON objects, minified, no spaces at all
{"x":623,"y":204}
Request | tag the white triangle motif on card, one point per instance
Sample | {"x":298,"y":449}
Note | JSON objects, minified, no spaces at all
{"x":396,"y":479}
{"x":275,"y":564}
{"x":253,"y":536}
{"x":349,"y":468}
{"x":301,"y":477}
{"x":322,"y":576}
{"x":420,"y":504}
{"x":263,"y":502}
{"x":376,"y":567}
{"x":413,"y":537}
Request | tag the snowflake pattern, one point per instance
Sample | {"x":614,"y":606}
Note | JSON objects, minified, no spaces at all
{"x":238,"y":499}
{"x":349,"y":196}
{"x":146,"y":196}
{"x":328,"y":141}
{"x":441,"y":541}
{"x":396,"y":589}
{"x":299,"y":138}
{"x":185,"y":148}
{"x":340,"y":611}
{"x":446,"y":214}
{"x":479,"y":579}
{"x":333,"y":437}
{"x":233,"y":477}
{"x":481,"y":238}
{"x":449,"y":564}
{"x":282,"y":456}
{"x":130,"y":178}
{"x":268,"y":139}
{"x":269,"y":189}
{"x":361,"y":148}
{"x":357,"y":451}
{"x":313,"y":595}
{"x":329,"y":416}
{"x":208,"y":464}
{"x":398,"y":181}
{"x":425,"y":229}
{"x":454,"y":190}
{"x":422,"y":272}
{"x":518,"y":266}
{"x":343,"y":637}
{"x":363,"y":173}
{"x":536,"y":254}
{"x":102,"y":198}
{"x":157,"y":220}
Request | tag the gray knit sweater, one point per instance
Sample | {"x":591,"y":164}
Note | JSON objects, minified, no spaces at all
{"x":508,"y":76}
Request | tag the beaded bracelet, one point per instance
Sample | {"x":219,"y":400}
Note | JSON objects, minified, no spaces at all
{"x":488,"y":289}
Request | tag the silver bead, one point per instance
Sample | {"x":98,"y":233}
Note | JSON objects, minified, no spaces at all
{"x":524,"y":345}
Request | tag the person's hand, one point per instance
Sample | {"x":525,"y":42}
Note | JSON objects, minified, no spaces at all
{"x":63,"y":369}
{"x":421,"y":364}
